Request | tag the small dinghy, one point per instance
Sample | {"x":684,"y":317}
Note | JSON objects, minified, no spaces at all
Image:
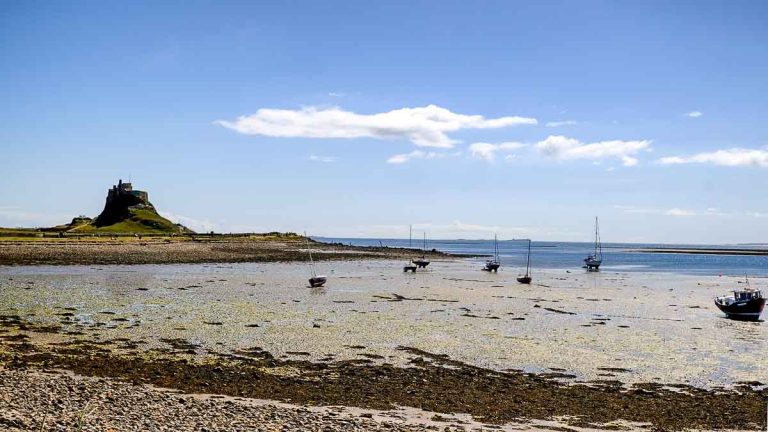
{"x":316,"y":280}
{"x":492,"y":265}
{"x":526,"y":279}
{"x":744,"y":304}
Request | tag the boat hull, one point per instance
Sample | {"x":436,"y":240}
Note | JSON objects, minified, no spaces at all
{"x":592,"y":264}
{"x":420,"y":263}
{"x":524,"y":279}
{"x":409,"y":268}
{"x":747,"y":310}
{"x":492,"y":267}
{"x":317,"y":281}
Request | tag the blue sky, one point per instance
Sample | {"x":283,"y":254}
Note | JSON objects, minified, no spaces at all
{"x":359,"y":118}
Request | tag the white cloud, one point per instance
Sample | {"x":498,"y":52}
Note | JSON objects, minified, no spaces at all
{"x":553,"y":124}
{"x":416,"y":154}
{"x":729,"y":157}
{"x":325,"y":159}
{"x":564,"y":148}
{"x":487,"y":151}
{"x":694,"y":114}
{"x":196,"y":225}
{"x":679,"y":212}
{"x":424,"y":126}
{"x":335,"y":94}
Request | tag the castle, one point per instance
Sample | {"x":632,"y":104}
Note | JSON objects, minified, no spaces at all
{"x":123,"y":189}
{"x":122,"y":201}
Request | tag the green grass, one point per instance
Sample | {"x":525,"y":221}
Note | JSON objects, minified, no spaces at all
{"x":141,"y":221}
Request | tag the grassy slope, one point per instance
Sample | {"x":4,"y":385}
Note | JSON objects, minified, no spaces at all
{"x":141,"y":221}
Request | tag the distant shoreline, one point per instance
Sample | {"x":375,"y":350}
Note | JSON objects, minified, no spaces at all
{"x":695,"y":251}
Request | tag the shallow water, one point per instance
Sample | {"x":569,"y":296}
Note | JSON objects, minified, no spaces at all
{"x":657,"y":326}
{"x":616,"y":256}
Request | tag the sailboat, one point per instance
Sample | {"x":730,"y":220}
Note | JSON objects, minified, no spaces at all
{"x":492,"y":265}
{"x":527,"y":278}
{"x":592,"y":262}
{"x":422,"y":262}
{"x":315,"y":281}
{"x":410,"y":266}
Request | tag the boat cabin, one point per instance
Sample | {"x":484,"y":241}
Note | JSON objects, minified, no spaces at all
{"x":747,"y":295}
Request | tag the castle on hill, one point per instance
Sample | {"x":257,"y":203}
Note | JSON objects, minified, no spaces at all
{"x":123,"y":189}
{"x":122,"y":202}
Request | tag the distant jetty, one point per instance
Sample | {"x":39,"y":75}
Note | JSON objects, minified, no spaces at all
{"x":703,"y":251}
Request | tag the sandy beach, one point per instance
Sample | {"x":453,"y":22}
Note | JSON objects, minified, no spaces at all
{"x":581,"y":349}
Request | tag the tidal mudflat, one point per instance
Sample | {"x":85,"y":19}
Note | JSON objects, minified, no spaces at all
{"x":586,"y":349}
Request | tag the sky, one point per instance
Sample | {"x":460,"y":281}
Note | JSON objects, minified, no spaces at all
{"x":357,"y":119}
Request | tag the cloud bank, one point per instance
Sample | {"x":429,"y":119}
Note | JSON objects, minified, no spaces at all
{"x":553,"y":124}
{"x":416,"y":154}
{"x":487,"y":151}
{"x":324,"y":159}
{"x":734,"y":157}
{"x":196,"y":225}
{"x":423,"y":126}
{"x":564,"y":148}
{"x":694,"y":114}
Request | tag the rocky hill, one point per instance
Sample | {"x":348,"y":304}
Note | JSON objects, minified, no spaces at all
{"x":126,"y":211}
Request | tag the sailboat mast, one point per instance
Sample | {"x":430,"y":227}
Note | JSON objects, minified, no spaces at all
{"x":528,"y":265}
{"x":595,"y":254}
{"x":598,"y":243}
{"x":311,"y":262}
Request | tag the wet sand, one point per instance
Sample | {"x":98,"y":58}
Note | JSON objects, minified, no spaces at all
{"x":570,"y":344}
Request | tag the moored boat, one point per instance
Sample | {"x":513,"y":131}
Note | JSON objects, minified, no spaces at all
{"x":315,"y":280}
{"x":526,"y":279}
{"x":744,"y":304}
{"x":492,"y":265}
{"x":422,"y":262}
{"x":593,"y":261}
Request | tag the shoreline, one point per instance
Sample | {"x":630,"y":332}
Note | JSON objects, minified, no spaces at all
{"x":129,"y":251}
{"x":695,"y":251}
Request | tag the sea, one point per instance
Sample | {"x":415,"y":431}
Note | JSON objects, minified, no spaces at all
{"x":570,"y":255}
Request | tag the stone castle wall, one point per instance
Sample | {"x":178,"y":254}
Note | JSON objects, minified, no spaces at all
{"x":124,"y":189}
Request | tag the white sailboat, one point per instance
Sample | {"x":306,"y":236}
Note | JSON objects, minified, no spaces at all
{"x":592,"y":262}
{"x":315,"y":280}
